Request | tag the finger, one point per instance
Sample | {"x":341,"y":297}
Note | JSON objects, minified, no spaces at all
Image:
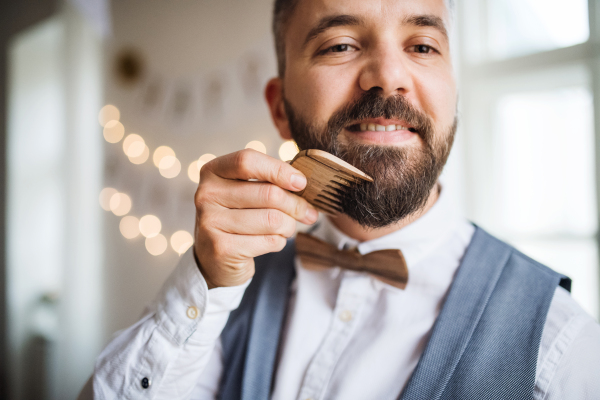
{"x":241,"y":247}
{"x":243,"y":195}
{"x":255,"y":222}
{"x":251,"y":164}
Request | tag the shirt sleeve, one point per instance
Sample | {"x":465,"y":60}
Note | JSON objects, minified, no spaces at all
{"x":568,"y":368}
{"x":165,"y":353}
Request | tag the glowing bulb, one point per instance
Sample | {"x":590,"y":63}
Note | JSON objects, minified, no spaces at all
{"x":194,"y":172}
{"x":129,"y":227}
{"x":133,"y":145}
{"x":204,"y":158}
{"x":113,"y":131}
{"x":258,"y":146}
{"x":150,"y":226}
{"x":288,"y":150}
{"x":105,"y":196}
{"x":156,"y":245}
{"x":142,"y":157}
{"x":160,"y":153}
{"x":169,"y":167}
{"x":108,"y":113}
{"x":120,"y":204}
{"x":181,"y":241}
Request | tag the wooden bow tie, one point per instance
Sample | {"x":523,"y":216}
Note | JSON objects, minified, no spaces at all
{"x":387,"y":265}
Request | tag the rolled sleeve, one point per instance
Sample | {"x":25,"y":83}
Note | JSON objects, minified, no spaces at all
{"x":164,"y":354}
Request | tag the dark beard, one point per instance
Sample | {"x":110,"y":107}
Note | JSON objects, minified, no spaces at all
{"x":402,"y":177}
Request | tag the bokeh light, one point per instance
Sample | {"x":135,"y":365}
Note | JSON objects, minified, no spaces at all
{"x":194,"y":172}
{"x":288,"y":150}
{"x":150,"y":225}
{"x":258,"y":146}
{"x":129,"y":227}
{"x":108,"y":113}
{"x":181,"y":241}
{"x":113,"y":131}
{"x":169,"y":167}
{"x":142,"y":158}
{"x":120,"y":204}
{"x":204,"y":158}
{"x":156,"y":245}
{"x":133,"y":145}
{"x":160,"y":153}
{"x":105,"y":196}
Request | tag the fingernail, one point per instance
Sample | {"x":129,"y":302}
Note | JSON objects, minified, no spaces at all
{"x":298,"y":181}
{"x":311,"y":214}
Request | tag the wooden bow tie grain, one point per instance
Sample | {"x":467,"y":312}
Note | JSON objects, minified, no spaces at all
{"x":387,"y":265}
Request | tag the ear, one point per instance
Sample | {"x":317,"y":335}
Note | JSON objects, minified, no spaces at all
{"x":274,"y":97}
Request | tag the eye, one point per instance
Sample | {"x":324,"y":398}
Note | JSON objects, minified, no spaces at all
{"x":423,"y":49}
{"x":338,"y":48}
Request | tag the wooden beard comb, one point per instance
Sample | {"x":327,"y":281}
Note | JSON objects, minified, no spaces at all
{"x":328,"y":178}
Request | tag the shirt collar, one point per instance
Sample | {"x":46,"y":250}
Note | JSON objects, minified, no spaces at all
{"x":414,"y":240}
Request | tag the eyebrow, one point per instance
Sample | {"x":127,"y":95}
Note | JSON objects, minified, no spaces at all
{"x":331,"y":22}
{"x":427,"y":20}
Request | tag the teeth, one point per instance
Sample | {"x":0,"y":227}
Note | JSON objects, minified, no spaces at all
{"x":382,"y":128}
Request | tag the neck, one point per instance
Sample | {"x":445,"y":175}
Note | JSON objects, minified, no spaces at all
{"x":356,"y":231}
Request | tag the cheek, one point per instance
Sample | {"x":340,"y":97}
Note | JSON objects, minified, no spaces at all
{"x":319,"y":92}
{"x":438,"y":96}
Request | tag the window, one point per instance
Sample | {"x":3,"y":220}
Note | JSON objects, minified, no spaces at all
{"x":528,"y":125}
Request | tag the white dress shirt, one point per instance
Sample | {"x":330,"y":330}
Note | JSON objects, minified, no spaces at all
{"x":347,"y":335}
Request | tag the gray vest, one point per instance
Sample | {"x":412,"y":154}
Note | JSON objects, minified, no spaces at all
{"x":484,"y":344}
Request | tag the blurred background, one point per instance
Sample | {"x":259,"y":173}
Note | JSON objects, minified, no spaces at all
{"x":109,"y":108}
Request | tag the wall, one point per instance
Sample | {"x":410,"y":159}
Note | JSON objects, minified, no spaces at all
{"x":186,"y":46}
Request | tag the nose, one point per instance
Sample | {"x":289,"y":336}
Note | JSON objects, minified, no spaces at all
{"x":386,"y":71}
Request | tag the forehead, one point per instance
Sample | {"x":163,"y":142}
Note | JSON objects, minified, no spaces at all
{"x":382,"y":11}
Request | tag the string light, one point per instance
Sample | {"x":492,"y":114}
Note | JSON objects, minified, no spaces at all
{"x":258,"y":146}
{"x":108,"y":113}
{"x":288,"y":150}
{"x":105,"y":196}
{"x":120,"y":204}
{"x":129,"y":227}
{"x":169,"y":167}
{"x":181,"y":241}
{"x":142,"y":158}
{"x":160,"y":153}
{"x":194,"y":172}
{"x":150,"y":226}
{"x":133,"y":145}
{"x":156,"y":245}
{"x":113,"y":131}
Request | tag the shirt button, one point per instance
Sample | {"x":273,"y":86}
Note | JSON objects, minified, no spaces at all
{"x":192,"y":312}
{"x":346,"y":316}
{"x":145,"y":383}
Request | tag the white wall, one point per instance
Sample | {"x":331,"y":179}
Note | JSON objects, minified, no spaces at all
{"x":185,"y":44}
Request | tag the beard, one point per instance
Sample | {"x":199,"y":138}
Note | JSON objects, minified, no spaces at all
{"x":403,"y":177}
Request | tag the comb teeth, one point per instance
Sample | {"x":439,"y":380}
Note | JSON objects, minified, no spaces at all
{"x":328,"y":208}
{"x":328,"y":179}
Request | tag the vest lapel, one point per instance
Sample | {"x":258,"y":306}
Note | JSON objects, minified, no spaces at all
{"x":267,"y":321}
{"x":478,"y":275}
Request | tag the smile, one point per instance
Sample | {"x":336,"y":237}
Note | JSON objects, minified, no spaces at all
{"x":371,"y":127}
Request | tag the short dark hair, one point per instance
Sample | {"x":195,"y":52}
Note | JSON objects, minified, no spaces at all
{"x":282,"y":12}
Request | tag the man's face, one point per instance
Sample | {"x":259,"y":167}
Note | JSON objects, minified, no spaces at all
{"x":372,"y":82}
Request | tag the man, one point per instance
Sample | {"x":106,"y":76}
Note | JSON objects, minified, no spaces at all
{"x":371,"y":82}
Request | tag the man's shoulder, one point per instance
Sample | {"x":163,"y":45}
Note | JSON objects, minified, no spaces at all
{"x":569,"y":355}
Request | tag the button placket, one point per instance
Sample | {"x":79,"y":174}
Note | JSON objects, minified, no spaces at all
{"x":350,"y":299}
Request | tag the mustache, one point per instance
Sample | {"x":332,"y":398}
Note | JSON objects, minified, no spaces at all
{"x":373,"y":105}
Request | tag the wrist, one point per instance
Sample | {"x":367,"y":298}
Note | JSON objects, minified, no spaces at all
{"x":208,"y":281}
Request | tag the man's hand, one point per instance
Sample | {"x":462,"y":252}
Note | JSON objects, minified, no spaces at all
{"x":237,"y":219}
